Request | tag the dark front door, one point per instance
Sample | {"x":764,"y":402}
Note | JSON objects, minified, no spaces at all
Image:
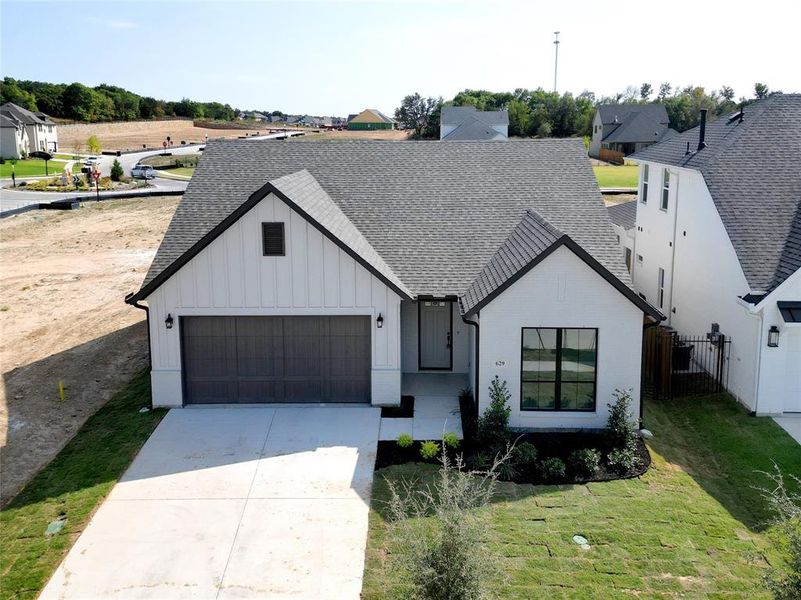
{"x":276,"y":359}
{"x":435,"y":334}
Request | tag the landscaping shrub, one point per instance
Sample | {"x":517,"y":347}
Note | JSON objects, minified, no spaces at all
{"x":623,"y":460}
{"x":524,"y":456}
{"x":480,"y":461}
{"x":493,"y":425}
{"x":116,"y":171}
{"x":451,"y":440}
{"x":584,"y":463}
{"x":620,"y":427}
{"x":439,"y":549}
{"x":553,"y":468}
{"x":429,"y":449}
{"x":405,"y":440}
{"x":785,"y":584}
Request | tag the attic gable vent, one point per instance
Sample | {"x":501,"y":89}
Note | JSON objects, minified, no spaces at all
{"x":272,"y":239}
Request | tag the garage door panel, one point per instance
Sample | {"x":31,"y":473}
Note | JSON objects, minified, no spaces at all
{"x":276,"y":359}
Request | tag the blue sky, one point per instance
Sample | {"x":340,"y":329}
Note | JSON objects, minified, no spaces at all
{"x":340,"y":57}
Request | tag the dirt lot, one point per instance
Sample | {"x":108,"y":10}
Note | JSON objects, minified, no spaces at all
{"x":62,"y":317}
{"x":130,"y":136}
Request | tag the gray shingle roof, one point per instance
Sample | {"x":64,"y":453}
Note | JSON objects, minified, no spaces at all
{"x":307,"y":194}
{"x":24,"y":115}
{"x":626,"y":123}
{"x":753,"y":172}
{"x":475,"y":131}
{"x":623,"y":214}
{"x":456,"y":115}
{"x":435,"y":213}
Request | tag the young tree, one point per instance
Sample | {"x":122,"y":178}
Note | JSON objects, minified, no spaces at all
{"x":116,"y":171}
{"x":93,"y":144}
{"x":415,"y":112}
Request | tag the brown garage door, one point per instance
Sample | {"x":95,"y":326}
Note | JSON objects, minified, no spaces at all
{"x":276,"y":359}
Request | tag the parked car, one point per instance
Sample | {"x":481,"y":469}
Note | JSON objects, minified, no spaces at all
{"x":143,"y":172}
{"x":90,"y":161}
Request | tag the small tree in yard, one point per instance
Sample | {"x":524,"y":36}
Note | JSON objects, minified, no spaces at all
{"x":438,"y":539}
{"x":116,"y":171}
{"x":93,"y":144}
{"x":493,"y":425}
{"x":786,"y":504}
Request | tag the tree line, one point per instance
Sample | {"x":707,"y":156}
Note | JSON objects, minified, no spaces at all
{"x":539,"y":113}
{"x":104,"y":102}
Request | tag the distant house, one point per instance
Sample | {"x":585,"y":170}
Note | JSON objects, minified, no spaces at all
{"x":719,"y":244}
{"x":627,"y":128}
{"x":13,"y":137}
{"x":465,"y":123}
{"x":370,"y":119}
{"x":624,"y":220}
{"x":42,"y":133}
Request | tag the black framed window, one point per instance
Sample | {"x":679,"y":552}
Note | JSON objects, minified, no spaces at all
{"x":272,"y":239}
{"x":644,"y":193}
{"x":665,"y":190}
{"x":558,"y":368}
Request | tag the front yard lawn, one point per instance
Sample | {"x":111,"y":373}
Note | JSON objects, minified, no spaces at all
{"x":613,"y":176}
{"x":693,"y":526}
{"x":73,"y":485}
{"x":31,"y":167}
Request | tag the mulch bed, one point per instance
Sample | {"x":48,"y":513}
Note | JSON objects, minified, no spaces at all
{"x":548,"y":445}
{"x":404,"y":411}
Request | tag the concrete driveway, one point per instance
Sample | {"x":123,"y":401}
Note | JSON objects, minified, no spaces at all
{"x":234,"y":503}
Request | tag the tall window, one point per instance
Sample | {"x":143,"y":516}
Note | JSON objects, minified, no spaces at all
{"x":665,"y":189}
{"x":644,"y":193}
{"x":661,"y":286}
{"x":558,"y":369}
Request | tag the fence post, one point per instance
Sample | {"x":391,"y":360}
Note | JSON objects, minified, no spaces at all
{"x":721,"y":358}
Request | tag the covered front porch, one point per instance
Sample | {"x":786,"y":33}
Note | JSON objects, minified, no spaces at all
{"x":436,"y":406}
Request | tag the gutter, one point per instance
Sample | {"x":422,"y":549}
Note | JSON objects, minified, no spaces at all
{"x":478,"y":331}
{"x":129,"y":299}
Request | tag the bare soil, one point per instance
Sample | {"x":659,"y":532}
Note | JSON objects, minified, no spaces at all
{"x":62,"y":318}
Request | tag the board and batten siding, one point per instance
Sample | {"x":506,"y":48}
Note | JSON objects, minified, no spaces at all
{"x":562,"y":291}
{"x":231,"y":277}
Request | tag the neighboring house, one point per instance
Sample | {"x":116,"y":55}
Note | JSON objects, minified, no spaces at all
{"x":370,"y":119}
{"x":42,"y":133}
{"x":13,"y":137}
{"x":623,"y":217}
{"x":627,"y":128}
{"x":322,"y":272}
{"x":719,"y":241}
{"x":465,"y":123}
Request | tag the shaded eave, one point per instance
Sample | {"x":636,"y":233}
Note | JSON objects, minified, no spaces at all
{"x":565,"y":240}
{"x":232,"y":218}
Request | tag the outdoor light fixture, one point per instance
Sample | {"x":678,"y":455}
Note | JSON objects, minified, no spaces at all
{"x":379,"y":322}
{"x":168,"y":321}
{"x":773,"y":337}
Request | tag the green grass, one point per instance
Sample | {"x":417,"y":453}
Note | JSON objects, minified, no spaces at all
{"x":693,"y":526}
{"x":185,"y":171}
{"x":74,"y":484}
{"x":31,"y":167}
{"x":611,"y":176}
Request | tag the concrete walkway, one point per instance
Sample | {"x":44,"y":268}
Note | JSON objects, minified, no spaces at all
{"x":792,"y":425}
{"x":234,"y":503}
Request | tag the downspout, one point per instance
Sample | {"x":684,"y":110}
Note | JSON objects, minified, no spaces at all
{"x":475,"y":358}
{"x":761,"y":317}
{"x":135,"y":304}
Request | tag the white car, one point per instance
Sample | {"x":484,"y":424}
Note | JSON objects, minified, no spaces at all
{"x":90,"y":161}
{"x":143,"y":172}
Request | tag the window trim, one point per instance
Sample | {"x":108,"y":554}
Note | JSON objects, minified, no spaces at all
{"x":558,"y":383}
{"x":283,"y":238}
{"x":664,"y":199}
{"x":660,"y":286}
{"x":644,"y":187}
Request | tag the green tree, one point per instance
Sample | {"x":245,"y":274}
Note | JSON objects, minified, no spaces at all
{"x":93,"y":144}
{"x":645,"y":91}
{"x":664,"y":91}
{"x":415,"y":112}
{"x":116,"y":171}
{"x":11,"y":92}
{"x":761,"y":91}
{"x":519,"y":118}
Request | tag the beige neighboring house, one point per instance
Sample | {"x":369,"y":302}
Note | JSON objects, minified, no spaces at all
{"x":41,"y":132}
{"x":13,"y":137}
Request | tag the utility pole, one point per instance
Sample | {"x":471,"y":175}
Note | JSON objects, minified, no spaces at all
{"x":556,"y":58}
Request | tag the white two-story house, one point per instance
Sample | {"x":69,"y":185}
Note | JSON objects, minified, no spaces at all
{"x":41,"y":133}
{"x":718,"y":240}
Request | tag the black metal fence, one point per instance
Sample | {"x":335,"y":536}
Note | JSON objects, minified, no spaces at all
{"x":685,"y":365}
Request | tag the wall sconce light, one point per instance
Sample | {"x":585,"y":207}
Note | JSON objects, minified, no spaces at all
{"x":169,"y":321}
{"x":773,"y":337}
{"x":379,"y":322}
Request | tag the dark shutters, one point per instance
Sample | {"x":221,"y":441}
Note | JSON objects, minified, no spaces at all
{"x":272,"y":239}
